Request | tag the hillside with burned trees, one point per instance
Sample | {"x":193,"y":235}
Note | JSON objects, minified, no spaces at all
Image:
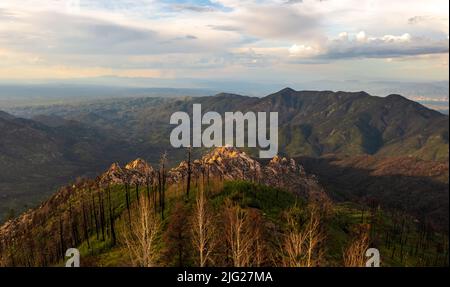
{"x":224,"y":209}
{"x":43,"y":147}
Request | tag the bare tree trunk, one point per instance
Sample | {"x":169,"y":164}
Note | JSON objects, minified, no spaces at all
{"x":111,"y":217}
{"x":238,"y":235}
{"x":202,"y":230}
{"x":189,"y":174}
{"x":163,"y":184}
{"x":61,"y":238}
{"x":127,"y":198}
{"x":85,"y":224}
{"x":313,"y":235}
{"x":137,"y":192}
{"x":141,"y":237}
{"x":354,"y":255}
{"x":301,"y":245}
{"x":95,"y":215}
{"x":102,"y":214}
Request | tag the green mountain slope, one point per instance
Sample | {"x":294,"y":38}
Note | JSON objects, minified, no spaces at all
{"x":63,"y":142}
{"x":397,"y":183}
{"x":316,"y":123}
{"x":266,"y":207}
{"x":311,"y":123}
{"x":35,"y":158}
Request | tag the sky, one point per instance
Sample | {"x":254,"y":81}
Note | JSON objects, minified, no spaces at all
{"x":258,"y":41}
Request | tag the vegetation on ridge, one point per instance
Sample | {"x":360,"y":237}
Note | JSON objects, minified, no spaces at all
{"x":222,"y":218}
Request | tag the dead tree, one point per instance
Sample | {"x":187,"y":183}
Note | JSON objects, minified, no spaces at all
{"x":163,"y":183}
{"x":61,"y":238}
{"x":354,"y":254}
{"x":142,"y":235}
{"x":238,"y":235}
{"x":85,"y":223}
{"x":127,"y":197}
{"x":189,"y":173}
{"x":102,"y":213}
{"x":202,"y":230}
{"x":301,"y":245}
{"x":137,"y":191}
{"x":94,"y":210}
{"x":111,"y":217}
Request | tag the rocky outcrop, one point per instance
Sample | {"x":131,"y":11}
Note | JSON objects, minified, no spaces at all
{"x":63,"y":218}
{"x":224,"y":163}
{"x":114,"y":175}
{"x":136,"y":172}
{"x":140,"y":172}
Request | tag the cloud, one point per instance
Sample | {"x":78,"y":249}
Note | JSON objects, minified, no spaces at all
{"x":64,"y":72}
{"x":360,"y":45}
{"x":219,"y":37}
{"x":193,"y":8}
{"x":6,"y":15}
{"x":278,"y":22}
{"x":418,"y":19}
{"x":303,"y":51}
{"x":387,"y":46}
{"x":428,"y":20}
{"x":227,"y":28}
{"x":290,"y":2}
{"x":361,"y":37}
{"x":54,"y":33}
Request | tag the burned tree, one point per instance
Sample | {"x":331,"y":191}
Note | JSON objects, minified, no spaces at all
{"x":202,"y":230}
{"x":111,"y":216}
{"x":189,"y":173}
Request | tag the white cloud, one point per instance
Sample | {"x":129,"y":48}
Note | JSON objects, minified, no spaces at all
{"x":361,"y":37}
{"x":303,"y":51}
{"x":343,"y":36}
{"x":129,"y":36}
{"x":405,"y":38}
{"x":386,"y":46}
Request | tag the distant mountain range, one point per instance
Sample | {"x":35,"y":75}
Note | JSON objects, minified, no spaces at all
{"x":433,"y":94}
{"x":12,"y":95}
{"x":311,"y":123}
{"x":61,"y":142}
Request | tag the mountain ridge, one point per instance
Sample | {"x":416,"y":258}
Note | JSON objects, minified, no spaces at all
{"x":91,"y":214}
{"x":311,"y":123}
{"x":226,"y":163}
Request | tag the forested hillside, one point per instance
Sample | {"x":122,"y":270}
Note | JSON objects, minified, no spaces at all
{"x":223,"y":210}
